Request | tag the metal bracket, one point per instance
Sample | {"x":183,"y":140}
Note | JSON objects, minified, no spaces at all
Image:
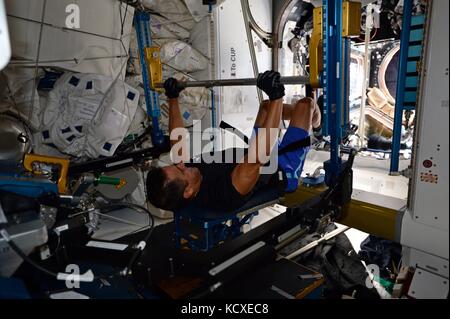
{"x":32,"y":163}
{"x":153,"y":61}
{"x":316,"y":50}
{"x":351,"y":19}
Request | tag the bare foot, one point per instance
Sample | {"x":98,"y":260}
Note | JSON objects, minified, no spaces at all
{"x":317,"y":117}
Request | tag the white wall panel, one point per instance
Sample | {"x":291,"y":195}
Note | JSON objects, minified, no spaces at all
{"x":239,"y":105}
{"x":81,"y":50}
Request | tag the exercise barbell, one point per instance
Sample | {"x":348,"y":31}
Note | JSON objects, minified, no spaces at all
{"x":287,"y":80}
{"x":155,"y":74}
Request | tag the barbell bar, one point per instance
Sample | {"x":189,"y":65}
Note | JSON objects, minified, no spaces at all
{"x":287,"y":80}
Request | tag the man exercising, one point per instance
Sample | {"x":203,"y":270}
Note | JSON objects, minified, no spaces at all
{"x":227,"y":186}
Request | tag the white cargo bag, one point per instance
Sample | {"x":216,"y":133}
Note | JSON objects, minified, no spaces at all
{"x":173,"y":10}
{"x":164,"y":29}
{"x":88,"y":115}
{"x":182,"y":57}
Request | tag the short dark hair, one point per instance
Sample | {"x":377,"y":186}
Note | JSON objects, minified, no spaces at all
{"x":165,"y":194}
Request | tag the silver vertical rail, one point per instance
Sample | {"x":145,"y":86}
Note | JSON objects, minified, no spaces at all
{"x":251,"y":46}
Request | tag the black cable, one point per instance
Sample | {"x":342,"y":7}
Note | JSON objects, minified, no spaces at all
{"x":27,"y":259}
{"x":128,"y":147}
{"x":126,"y":271}
{"x":22,"y":255}
{"x":122,"y":21}
{"x":146,"y":238}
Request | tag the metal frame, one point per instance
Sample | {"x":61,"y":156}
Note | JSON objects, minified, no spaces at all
{"x":345,"y":124}
{"x":398,"y":117}
{"x":281,"y":11}
{"x":214,"y":230}
{"x":375,"y":214}
{"x":143,"y":34}
{"x":246,"y":15}
{"x":334,"y":77}
{"x":265,"y":36}
{"x":332,"y":83}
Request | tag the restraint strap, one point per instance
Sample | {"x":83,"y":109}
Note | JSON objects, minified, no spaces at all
{"x":295,"y":146}
{"x":225,"y":126}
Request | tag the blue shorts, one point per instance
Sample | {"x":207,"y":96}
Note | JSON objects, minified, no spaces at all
{"x":291,"y":163}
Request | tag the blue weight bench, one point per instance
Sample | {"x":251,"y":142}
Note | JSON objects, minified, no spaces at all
{"x":215,"y":226}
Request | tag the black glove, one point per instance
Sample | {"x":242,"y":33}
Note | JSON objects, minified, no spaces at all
{"x":269,"y":82}
{"x":172,"y":88}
